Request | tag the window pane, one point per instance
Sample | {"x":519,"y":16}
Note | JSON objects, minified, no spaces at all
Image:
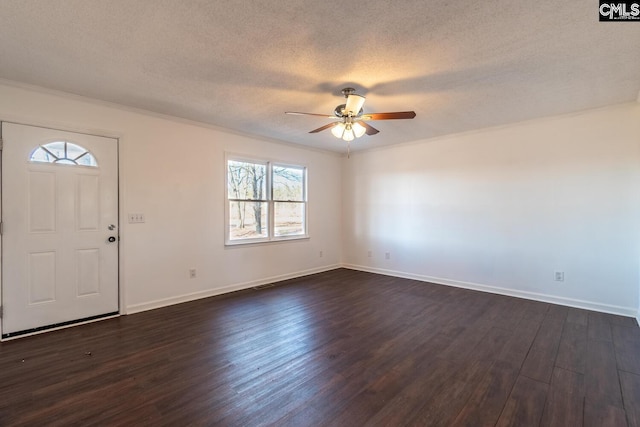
{"x":73,"y":151}
{"x":288,"y":183}
{"x":246,"y":181}
{"x":61,"y":152}
{"x":289,"y":219}
{"x":87,"y":160}
{"x":42,"y":156}
{"x":248,"y":220}
{"x":57,"y":149}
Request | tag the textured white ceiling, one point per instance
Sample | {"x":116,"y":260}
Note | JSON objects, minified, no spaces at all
{"x":240,"y":64}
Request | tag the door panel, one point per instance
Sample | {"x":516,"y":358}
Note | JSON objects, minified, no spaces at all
{"x":42,"y":274}
{"x":88,"y":272}
{"x":57,"y":262}
{"x":88,"y":203}
{"x":42,"y":202}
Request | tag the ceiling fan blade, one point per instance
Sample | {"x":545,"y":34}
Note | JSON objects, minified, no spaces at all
{"x":295,"y":113}
{"x":370,"y":129}
{"x":354,"y":104}
{"x":389,"y":116}
{"x":320,"y":129}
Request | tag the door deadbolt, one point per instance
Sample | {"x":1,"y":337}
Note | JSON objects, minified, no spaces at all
{"x":112,"y":227}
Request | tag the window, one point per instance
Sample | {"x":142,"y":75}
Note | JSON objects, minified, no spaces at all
{"x":266,"y":201}
{"x":65,"y":153}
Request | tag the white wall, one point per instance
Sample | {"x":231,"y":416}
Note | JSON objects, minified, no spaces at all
{"x":498,"y":210}
{"x":173,"y":172}
{"x":503,"y":209}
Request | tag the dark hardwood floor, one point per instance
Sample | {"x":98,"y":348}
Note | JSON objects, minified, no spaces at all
{"x":342,"y":348}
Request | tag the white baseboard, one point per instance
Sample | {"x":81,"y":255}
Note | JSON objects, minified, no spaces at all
{"x":587,"y":305}
{"x":136,"y":308}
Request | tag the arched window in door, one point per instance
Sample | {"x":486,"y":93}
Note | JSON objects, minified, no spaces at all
{"x":65,"y":153}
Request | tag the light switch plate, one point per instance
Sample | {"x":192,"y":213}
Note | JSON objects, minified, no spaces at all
{"x":136,"y":218}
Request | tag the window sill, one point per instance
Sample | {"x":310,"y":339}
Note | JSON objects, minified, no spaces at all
{"x":259,"y":242}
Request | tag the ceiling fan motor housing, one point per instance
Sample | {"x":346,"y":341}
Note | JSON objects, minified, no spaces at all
{"x":348,"y":91}
{"x":340,"y":112}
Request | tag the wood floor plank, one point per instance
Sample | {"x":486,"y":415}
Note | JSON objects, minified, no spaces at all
{"x":565,"y":401}
{"x":525,"y":404}
{"x":631,"y":395}
{"x":491,"y":345}
{"x":489,"y":396}
{"x":518,"y":346}
{"x":374,"y":395}
{"x":337,"y":348}
{"x":597,"y":414}
{"x":443,"y":407}
{"x":599,"y":327}
{"x":572,"y":348}
{"x":465,"y":342}
{"x":602,"y":384}
{"x":417,"y":393}
{"x":626,"y":341}
{"x":540,"y":361}
{"x":580,"y":317}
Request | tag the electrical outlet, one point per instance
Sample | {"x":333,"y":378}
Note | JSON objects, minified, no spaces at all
{"x":321,"y":254}
{"x":387,"y":255}
{"x":136,"y":218}
{"x":192,"y":273}
{"x":369,"y":254}
{"x":559,"y":275}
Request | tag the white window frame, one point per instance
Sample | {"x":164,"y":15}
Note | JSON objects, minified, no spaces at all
{"x":270,"y":202}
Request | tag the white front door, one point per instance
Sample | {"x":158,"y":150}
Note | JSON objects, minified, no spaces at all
{"x":60,"y":227}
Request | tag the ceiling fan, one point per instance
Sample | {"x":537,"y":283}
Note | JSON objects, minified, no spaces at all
{"x":351,"y":122}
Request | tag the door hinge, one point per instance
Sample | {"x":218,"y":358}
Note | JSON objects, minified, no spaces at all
{"x":1,"y":311}
{"x":1,"y":143}
{"x":1,"y":228}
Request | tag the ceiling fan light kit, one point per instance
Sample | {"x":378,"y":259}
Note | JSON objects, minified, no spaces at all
{"x":348,"y":131}
{"x":358,"y":129}
{"x":351,"y":117}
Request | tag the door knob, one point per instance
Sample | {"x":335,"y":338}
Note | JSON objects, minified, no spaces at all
{"x":111,"y":239}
